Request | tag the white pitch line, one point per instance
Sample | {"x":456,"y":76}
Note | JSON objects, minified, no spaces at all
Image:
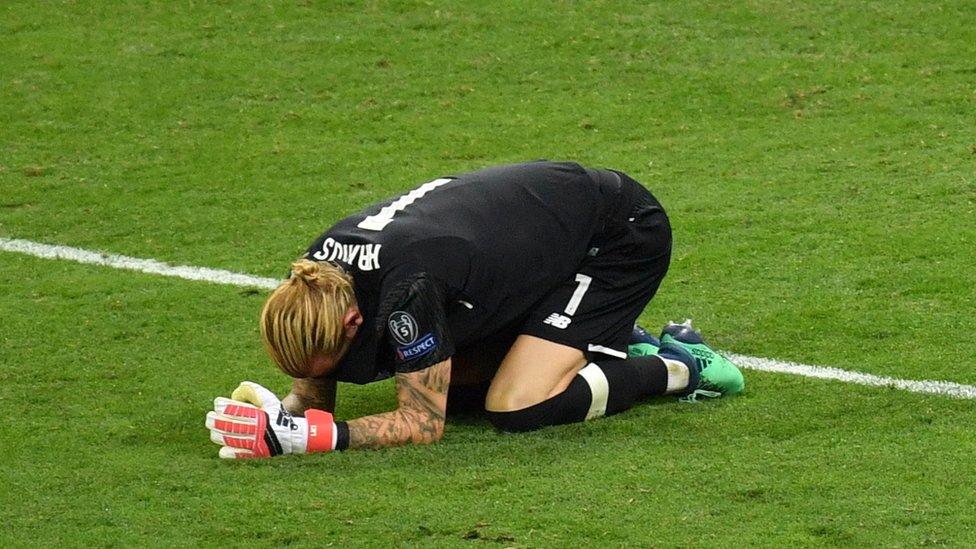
{"x":151,"y":266}
{"x":943,"y":388}
{"x":217,"y":276}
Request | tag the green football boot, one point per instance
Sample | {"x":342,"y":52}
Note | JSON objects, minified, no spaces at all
{"x":642,"y":343}
{"x":717,"y":375}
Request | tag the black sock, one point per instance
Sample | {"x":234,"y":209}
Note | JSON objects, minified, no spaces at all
{"x":633,"y":379}
{"x":603,"y":388}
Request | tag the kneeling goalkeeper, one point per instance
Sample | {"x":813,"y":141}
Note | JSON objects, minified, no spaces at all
{"x":513,"y":289}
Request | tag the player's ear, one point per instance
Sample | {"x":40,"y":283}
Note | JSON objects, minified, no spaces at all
{"x":352,"y":320}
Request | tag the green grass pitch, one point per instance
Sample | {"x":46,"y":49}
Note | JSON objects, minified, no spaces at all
{"x":818,"y":160}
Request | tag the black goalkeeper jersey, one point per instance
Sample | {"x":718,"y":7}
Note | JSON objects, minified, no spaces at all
{"x":459,"y":258}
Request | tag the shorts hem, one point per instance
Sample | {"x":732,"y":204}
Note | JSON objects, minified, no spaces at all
{"x":586,"y":347}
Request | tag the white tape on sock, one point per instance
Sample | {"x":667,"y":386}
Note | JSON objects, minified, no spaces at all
{"x":599,"y":388}
{"x":678,"y":376}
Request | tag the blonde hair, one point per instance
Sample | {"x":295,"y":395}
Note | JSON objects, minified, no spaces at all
{"x":303,"y":316}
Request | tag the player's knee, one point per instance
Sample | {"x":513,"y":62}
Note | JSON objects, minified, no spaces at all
{"x":568,"y":406}
{"x":575,"y":403}
{"x":510,"y":409}
{"x":505,"y":397}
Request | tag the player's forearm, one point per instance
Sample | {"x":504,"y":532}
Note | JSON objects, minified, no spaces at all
{"x":419,"y":418}
{"x":401,"y":426}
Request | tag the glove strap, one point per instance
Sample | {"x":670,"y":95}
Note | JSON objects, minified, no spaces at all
{"x":322,"y":433}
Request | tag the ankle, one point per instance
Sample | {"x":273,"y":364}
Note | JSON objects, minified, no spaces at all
{"x":678,"y":376}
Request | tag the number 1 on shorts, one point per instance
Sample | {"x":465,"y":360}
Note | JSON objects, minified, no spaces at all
{"x":574,"y":302}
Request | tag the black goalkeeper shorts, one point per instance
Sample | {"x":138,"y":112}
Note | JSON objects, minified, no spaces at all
{"x":596,"y":308}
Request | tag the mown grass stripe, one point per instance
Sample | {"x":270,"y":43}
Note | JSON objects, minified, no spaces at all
{"x":217,"y":276}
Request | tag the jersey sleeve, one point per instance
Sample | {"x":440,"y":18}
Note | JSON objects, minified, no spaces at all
{"x":416,"y":324}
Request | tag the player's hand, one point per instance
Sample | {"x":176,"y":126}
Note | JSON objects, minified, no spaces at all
{"x":253,"y":423}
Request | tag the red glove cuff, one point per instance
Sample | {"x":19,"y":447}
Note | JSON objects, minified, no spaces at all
{"x":321,"y":431}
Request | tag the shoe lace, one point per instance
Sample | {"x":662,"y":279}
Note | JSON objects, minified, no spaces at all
{"x":693,"y":396}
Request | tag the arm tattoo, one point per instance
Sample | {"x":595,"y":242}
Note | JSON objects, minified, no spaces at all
{"x":419,"y":419}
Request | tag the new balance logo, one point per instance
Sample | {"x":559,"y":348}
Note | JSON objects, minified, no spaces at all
{"x":557,"y":320}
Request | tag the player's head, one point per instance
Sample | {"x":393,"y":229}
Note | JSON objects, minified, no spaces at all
{"x":308,"y":317}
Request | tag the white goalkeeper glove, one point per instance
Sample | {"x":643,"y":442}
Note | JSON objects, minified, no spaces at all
{"x":266,"y":429}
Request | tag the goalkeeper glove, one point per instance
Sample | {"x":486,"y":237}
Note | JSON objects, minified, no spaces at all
{"x":266,"y":429}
